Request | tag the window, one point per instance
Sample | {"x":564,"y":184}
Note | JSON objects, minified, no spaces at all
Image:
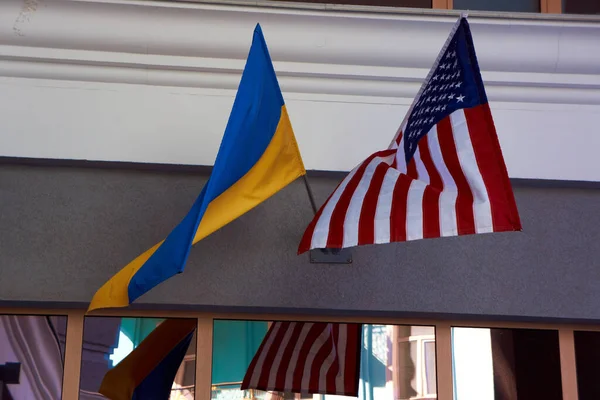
{"x":396,"y":362}
{"x":587,"y":356}
{"x":516,"y":364}
{"x":382,"y":3}
{"x":108,"y":340}
{"x":32,"y":349}
{"x":498,"y":5}
{"x":581,"y":7}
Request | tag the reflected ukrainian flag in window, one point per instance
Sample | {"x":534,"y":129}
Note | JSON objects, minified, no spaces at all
{"x":258,"y":157}
{"x":148,"y":372}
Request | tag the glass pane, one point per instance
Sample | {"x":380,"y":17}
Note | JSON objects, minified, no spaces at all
{"x":581,"y":7}
{"x":430,"y":367}
{"x":32,"y":349}
{"x":498,"y":5}
{"x":396,"y":362}
{"x":587,"y":356}
{"x":108,"y":340}
{"x":381,"y":3}
{"x":513,"y":364}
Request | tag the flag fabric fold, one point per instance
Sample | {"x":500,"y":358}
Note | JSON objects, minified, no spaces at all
{"x":304,"y":357}
{"x":148,"y":372}
{"x":258,"y":157}
{"x":442,"y":175}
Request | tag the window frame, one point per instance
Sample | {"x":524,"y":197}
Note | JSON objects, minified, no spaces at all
{"x":204,"y":335}
{"x":546,"y":6}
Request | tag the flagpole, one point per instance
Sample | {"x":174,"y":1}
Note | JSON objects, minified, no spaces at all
{"x":310,"y":194}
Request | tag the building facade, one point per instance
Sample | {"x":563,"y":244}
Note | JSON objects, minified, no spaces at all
{"x":111,"y":115}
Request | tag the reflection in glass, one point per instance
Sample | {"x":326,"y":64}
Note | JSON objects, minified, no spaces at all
{"x":590,"y":7}
{"x":506,"y":364}
{"x":587,"y":357}
{"x":32,"y":352}
{"x":380,"y":3}
{"x":397,"y":362}
{"x":532,"y":6}
{"x":108,"y":340}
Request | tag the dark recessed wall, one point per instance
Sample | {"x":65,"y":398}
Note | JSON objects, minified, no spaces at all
{"x":65,"y":231}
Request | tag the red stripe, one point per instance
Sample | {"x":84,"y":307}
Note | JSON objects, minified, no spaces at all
{"x":395,"y":162}
{"x":431,"y":196}
{"x":488,"y":154}
{"x":352,"y":359}
{"x":399,"y":138}
{"x":336,"y":224}
{"x":398,"y":211}
{"x":311,"y":338}
{"x":465,"y":219}
{"x":263,"y":381}
{"x":334,"y":370}
{"x":411,"y":169}
{"x":366,"y":223}
{"x":320,"y":357}
{"x":304,"y":245}
{"x":288,"y":351}
{"x":250,"y":371}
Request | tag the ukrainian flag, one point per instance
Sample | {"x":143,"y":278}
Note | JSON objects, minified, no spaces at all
{"x":148,"y":372}
{"x":258,"y":157}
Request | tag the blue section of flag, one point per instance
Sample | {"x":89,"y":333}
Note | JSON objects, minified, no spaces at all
{"x":170,"y":257}
{"x":252,"y":123}
{"x":455,"y":83}
{"x":256,"y":112}
{"x":158,"y":384}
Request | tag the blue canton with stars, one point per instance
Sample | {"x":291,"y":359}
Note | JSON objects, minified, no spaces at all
{"x":456,"y":83}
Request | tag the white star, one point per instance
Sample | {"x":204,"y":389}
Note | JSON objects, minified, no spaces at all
{"x":460,"y":98}
{"x":435,"y":78}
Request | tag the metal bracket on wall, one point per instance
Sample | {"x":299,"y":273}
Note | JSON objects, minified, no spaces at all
{"x":331,"y":256}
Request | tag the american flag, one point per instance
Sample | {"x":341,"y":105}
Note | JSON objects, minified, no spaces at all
{"x":305,"y":357}
{"x":442,"y":175}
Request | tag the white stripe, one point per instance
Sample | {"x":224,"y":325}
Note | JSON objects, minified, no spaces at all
{"x":275,"y":367}
{"x":384,"y":206}
{"x":400,"y":157}
{"x":289,"y":376}
{"x":394,"y":145}
{"x":341,"y":358}
{"x":448,"y":224}
{"x":312,"y":353}
{"x":353,"y":212}
{"x":261,"y":358}
{"x":481,"y":202}
{"x":321,"y":232}
{"x":328,"y":362}
{"x":414,"y":210}
{"x":421,"y":170}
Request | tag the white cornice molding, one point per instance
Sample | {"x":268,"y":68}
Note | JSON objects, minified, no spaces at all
{"x":315,"y":51}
